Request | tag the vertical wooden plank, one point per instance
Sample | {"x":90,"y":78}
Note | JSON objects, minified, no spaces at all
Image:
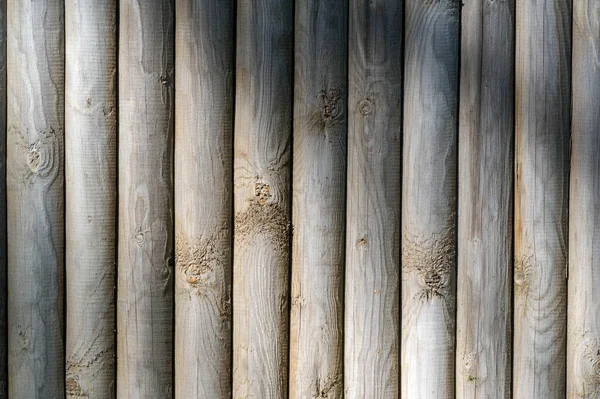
{"x":485,"y":181}
{"x":543,"y":59}
{"x":319,"y":198}
{"x":203,"y":197}
{"x":35,"y":203}
{"x":429,"y":198}
{"x":583,"y":342}
{"x":3,"y":294}
{"x":372,"y":303}
{"x":262,"y":144}
{"x":145,"y":293}
{"x":91,"y":195}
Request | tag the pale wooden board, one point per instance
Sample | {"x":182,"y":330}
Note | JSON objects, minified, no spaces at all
{"x":543,"y":63}
{"x":319,"y":202}
{"x":145,"y":240}
{"x":372,"y":294}
{"x":429,"y":199}
{"x":262,"y":171}
{"x":203,"y":197}
{"x":3,"y":296}
{"x":35,"y":203}
{"x":583,"y":341}
{"x":485,"y":198}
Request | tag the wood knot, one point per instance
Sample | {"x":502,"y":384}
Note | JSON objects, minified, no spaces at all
{"x":365,"y":107}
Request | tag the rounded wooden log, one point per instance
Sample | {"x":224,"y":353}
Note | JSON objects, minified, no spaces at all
{"x":145,"y":241}
{"x":35,"y":201}
{"x":203,"y":197}
{"x":262,"y":150}
{"x":429,"y":199}
{"x":372,"y":297}
{"x":485,"y":214}
{"x":91,"y":196}
{"x":583,"y":337}
{"x":543,"y":64}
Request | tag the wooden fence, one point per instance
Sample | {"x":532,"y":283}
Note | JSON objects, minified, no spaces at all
{"x":304,"y":199}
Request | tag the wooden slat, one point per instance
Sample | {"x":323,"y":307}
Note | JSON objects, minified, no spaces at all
{"x":485,"y":214}
{"x":543,"y":60}
{"x":3,"y":295}
{"x":262,"y":150}
{"x":319,"y":189}
{"x":203,"y":197}
{"x":583,"y":342}
{"x":429,"y":199}
{"x":372,"y":311}
{"x":145,"y":242}
{"x":35,"y":204}
{"x":91,"y":198}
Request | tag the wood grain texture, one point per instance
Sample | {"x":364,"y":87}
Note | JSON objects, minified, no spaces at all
{"x":203,"y":197}
{"x":372,"y":301}
{"x":91,"y":196}
{"x":146,"y":255}
{"x":319,"y":202}
{"x":35,"y":203}
{"x":543,"y":59}
{"x":583,"y":341}
{"x":485,"y":214}
{"x":429,"y":198}
{"x":3,"y":296}
{"x":262,"y":150}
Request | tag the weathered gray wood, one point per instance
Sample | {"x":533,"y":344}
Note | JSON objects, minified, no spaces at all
{"x":3,"y":296}
{"x":543,"y":60}
{"x":429,"y":198}
{"x":583,"y":342}
{"x":145,"y":242}
{"x":263,"y":125}
{"x":485,"y":181}
{"x":91,"y":198}
{"x":35,"y":203}
{"x":319,"y":202}
{"x":203,"y":197}
{"x":372,"y":302}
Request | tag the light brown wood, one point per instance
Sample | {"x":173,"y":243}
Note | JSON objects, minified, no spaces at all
{"x":319,"y":202}
{"x":35,"y":203}
{"x":583,"y":341}
{"x":543,"y":60}
{"x":429,"y":199}
{"x":203,"y":197}
{"x":91,"y":196}
{"x":145,"y":241}
{"x":262,"y":149}
{"x":372,"y":301}
{"x":485,"y":214}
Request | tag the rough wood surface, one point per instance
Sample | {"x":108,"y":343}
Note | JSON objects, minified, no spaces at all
{"x":91,"y":196}
{"x":543,"y":60}
{"x":203,"y":197}
{"x":262,"y":149}
{"x":583,"y":342}
{"x":146,"y":256}
{"x":3,"y":296}
{"x":35,"y":203}
{"x":372,"y":310}
{"x":485,"y":214}
{"x":429,"y":198}
{"x":319,"y":202}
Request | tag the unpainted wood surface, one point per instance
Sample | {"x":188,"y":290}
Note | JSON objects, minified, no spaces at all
{"x":203,"y":197}
{"x":35,"y":203}
{"x":372,"y":297}
{"x":543,"y":63}
{"x":429,"y":199}
{"x":3,"y":296}
{"x":583,"y":342}
{"x":145,"y":241}
{"x":319,"y":204}
{"x":262,"y":171}
{"x":91,"y":196}
{"x":485,"y":214}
